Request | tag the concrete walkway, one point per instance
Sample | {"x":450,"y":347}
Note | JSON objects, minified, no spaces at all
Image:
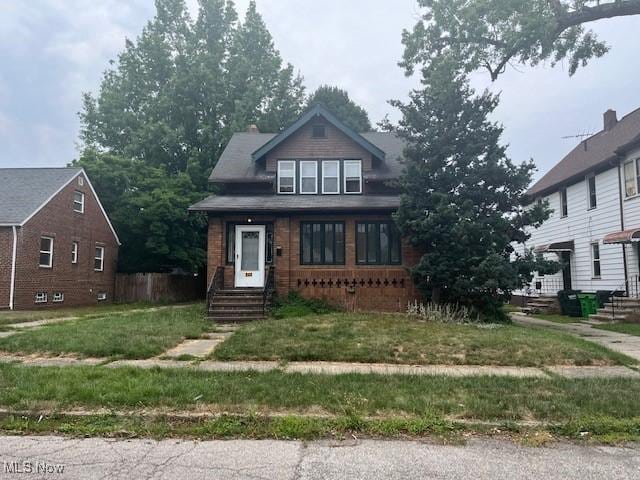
{"x":619,"y":342}
{"x":479,"y":458}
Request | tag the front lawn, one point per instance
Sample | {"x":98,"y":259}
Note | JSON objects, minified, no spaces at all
{"x":628,"y":328}
{"x":385,"y":338}
{"x":480,"y":398}
{"x":129,"y":335}
{"x":20,"y":316}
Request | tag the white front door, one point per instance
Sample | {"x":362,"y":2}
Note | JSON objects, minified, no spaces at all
{"x":249,"y":256}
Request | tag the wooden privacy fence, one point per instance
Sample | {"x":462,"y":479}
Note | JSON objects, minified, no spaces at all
{"x":159,"y":287}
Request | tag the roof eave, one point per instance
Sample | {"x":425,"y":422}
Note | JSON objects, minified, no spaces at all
{"x":318,"y":110}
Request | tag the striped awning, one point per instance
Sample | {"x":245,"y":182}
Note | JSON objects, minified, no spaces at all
{"x":566,"y":246}
{"x":625,"y":236}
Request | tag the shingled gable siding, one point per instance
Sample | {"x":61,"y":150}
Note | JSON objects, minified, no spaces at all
{"x":6,"y":247}
{"x":301,"y":145}
{"x":79,"y":282}
{"x":313,"y":280}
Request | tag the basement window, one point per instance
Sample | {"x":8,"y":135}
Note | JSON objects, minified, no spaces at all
{"x":58,"y":297}
{"x":102,"y":296}
{"x":41,"y":297}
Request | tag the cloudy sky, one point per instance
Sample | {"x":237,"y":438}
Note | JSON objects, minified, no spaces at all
{"x":53,"y":50}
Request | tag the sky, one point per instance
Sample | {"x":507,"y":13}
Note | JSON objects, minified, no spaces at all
{"x":51,"y":51}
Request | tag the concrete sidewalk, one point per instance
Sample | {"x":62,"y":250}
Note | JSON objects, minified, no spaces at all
{"x":619,"y":342}
{"x":96,"y":458}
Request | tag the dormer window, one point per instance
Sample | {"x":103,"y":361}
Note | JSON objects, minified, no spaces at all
{"x":352,"y":176}
{"x":308,"y":177}
{"x":286,"y":176}
{"x":319,"y":131}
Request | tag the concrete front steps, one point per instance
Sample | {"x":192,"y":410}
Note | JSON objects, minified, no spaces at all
{"x":543,"y":304}
{"x":625,"y":310}
{"x":237,"y":305}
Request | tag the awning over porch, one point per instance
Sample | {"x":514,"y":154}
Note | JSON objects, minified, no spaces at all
{"x":625,"y":236}
{"x":566,"y":246}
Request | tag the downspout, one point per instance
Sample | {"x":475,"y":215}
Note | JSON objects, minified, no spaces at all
{"x":13,"y":267}
{"x":624,"y":247}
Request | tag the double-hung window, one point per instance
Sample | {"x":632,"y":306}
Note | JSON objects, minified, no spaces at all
{"x":595,"y":260}
{"x":377,"y":243}
{"x":78,"y":202}
{"x":286,"y":176}
{"x":308,"y":177}
{"x":352,"y":176}
{"x":591,"y":189}
{"x":322,"y":243}
{"x":564,"y":208}
{"x":98,"y":260}
{"x":74,"y":252}
{"x":630,"y":187}
{"x":330,"y":177}
{"x":46,"y":252}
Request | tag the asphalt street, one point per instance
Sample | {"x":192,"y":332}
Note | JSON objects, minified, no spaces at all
{"x":93,"y":458}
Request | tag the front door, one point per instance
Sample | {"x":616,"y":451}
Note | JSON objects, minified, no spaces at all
{"x":249,"y":256}
{"x":565,"y":258}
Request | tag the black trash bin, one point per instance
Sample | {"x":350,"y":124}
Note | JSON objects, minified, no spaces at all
{"x":569,"y":303}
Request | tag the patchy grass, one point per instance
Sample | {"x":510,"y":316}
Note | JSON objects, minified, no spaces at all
{"x":129,"y":335}
{"x":9,"y":317}
{"x":385,"y":338}
{"x":294,"y":306}
{"x":628,"y":328}
{"x":557,"y":318}
{"x":350,"y":395}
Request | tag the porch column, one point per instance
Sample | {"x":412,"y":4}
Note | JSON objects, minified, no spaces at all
{"x":283,"y":261}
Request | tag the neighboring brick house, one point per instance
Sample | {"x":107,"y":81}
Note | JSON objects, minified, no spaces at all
{"x":307,"y":210}
{"x":57,"y":245}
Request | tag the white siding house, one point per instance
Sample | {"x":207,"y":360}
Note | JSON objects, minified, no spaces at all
{"x":595,"y":200}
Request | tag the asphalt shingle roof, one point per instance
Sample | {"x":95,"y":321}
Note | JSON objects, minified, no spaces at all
{"x":24,"y":190}
{"x":291,"y":203}
{"x":590,"y":154}
{"x":237,"y":165}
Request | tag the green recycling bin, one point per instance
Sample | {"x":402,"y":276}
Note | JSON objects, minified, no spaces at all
{"x":588,"y":303}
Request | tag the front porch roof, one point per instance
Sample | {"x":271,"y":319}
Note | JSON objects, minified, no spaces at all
{"x":566,"y":246}
{"x":296,"y":203}
{"x":624,"y":236}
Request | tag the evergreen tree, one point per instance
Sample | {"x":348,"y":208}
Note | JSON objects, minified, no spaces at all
{"x":461,"y":201}
{"x":337,"y":101}
{"x":164,"y":113}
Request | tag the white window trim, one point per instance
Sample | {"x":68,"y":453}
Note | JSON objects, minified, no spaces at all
{"x":595,"y":186}
{"x":315,"y":176}
{"x":634,"y":164}
{"x":101,"y":258}
{"x":43,"y":298}
{"x":60,"y":297}
{"x":593,"y":260}
{"x":280,"y":163}
{"x":102,"y":296}
{"x":566,"y":202}
{"x":337,"y":163}
{"x":81,"y":202}
{"x":344,"y":180}
{"x":50,"y":252}
{"x":75,"y":246}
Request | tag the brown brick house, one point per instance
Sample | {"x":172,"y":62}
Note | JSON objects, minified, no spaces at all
{"x":307,"y":210}
{"x":57,"y":245}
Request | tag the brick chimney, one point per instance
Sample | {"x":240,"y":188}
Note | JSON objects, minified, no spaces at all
{"x":610,"y":119}
{"x":253,"y":128}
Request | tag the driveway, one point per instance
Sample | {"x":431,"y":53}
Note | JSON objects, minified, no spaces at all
{"x":620,"y":342}
{"x":92,"y":458}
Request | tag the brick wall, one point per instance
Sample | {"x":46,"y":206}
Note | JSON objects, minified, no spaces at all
{"x":79,"y":283}
{"x":301,"y":145}
{"x":351,"y":286}
{"x":6,"y":246}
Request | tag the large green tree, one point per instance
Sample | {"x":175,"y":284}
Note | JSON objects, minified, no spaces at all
{"x":462,"y":195}
{"x":337,"y":101}
{"x":491,"y":34}
{"x":165,"y":110}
